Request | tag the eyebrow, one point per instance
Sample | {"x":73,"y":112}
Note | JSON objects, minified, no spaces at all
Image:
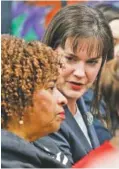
{"x":70,"y":54}
{"x":90,"y":59}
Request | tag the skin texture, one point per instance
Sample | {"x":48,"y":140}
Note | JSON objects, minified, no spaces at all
{"x":44,"y":116}
{"x":80,"y":70}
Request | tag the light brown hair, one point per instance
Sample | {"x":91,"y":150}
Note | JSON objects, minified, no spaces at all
{"x":109,"y":87}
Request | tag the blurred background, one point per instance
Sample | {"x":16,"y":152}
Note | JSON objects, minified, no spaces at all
{"x":29,"y":19}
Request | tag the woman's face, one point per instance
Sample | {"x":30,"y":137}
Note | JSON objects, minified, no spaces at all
{"x":114,"y":25}
{"x":47,"y":112}
{"x":80,"y":70}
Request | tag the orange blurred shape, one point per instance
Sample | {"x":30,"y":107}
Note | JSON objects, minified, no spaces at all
{"x":56,"y":5}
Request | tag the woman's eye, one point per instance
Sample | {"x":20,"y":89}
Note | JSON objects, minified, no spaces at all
{"x":94,"y":62}
{"x":51,"y":88}
{"x":69,"y":58}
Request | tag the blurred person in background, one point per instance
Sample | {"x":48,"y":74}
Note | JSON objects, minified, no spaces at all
{"x":111,"y":14}
{"x":31,"y":105}
{"x":109,"y":87}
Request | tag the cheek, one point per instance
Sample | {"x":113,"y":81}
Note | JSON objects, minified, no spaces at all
{"x":47,"y":105}
{"x":66,"y":70}
{"x":92,"y":73}
{"x":43,"y":102}
{"x":45,"y":112}
{"x":64,"y":75}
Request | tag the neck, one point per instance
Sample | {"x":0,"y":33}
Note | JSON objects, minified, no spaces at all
{"x":23,"y":131}
{"x":72,"y":106}
{"x":24,"y":135}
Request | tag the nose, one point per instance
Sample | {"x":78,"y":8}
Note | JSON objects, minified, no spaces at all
{"x":79,"y":69}
{"x":61,"y":99}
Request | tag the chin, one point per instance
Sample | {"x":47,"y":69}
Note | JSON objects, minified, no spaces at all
{"x":56,"y":127}
{"x":52,"y":127}
{"x":74,"y":94}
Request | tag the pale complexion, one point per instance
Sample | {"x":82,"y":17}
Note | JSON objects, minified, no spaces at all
{"x":80,"y":71}
{"x":114,"y":25}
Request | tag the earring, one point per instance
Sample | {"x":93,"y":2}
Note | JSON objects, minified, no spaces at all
{"x":21,"y":122}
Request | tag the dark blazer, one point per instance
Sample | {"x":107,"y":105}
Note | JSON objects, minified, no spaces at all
{"x":70,"y":138}
{"x":18,"y":153}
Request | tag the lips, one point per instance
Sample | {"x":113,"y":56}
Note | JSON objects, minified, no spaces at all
{"x":62,"y":115}
{"x":75,"y":85}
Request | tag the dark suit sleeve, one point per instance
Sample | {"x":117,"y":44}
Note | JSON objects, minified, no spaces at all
{"x":102,"y":133}
{"x":50,"y":146}
{"x":70,"y":142}
{"x":61,"y":138}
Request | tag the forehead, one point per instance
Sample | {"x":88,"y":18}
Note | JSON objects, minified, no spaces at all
{"x":90,"y":47}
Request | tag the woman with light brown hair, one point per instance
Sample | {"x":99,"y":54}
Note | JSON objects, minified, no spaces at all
{"x":83,"y":35}
{"x":109,"y":86}
{"x":31,"y":105}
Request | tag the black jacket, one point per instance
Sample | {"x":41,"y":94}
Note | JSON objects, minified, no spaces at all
{"x":18,"y":153}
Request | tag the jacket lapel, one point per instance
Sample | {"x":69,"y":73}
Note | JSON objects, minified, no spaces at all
{"x":88,"y":118}
{"x":79,"y":135}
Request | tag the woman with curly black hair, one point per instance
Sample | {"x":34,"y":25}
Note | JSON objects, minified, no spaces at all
{"x":31,"y":105}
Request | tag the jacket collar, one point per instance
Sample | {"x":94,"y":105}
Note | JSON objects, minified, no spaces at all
{"x":88,"y":118}
{"x":83,"y":142}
